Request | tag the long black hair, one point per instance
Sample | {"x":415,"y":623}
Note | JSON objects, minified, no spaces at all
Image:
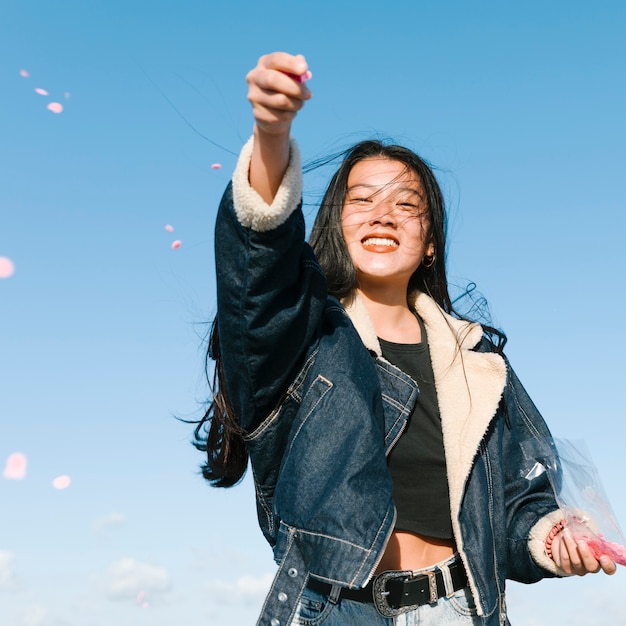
{"x":327,"y":236}
{"x":218,"y":433}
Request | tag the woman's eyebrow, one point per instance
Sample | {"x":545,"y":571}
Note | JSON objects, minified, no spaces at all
{"x":398,"y":190}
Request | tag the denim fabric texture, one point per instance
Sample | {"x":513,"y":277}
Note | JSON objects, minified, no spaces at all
{"x":321,"y":412}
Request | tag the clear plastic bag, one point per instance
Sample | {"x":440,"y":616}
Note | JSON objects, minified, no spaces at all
{"x":579,"y":493}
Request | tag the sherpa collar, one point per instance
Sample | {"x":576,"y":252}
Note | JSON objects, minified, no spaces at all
{"x":469,"y":385}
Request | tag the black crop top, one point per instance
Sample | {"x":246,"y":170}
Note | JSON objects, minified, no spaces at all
{"x":417,"y":463}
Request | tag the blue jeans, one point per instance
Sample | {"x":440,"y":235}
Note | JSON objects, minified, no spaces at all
{"x":315,"y":609}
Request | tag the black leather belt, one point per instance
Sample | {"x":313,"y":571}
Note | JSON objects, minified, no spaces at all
{"x":396,"y":592}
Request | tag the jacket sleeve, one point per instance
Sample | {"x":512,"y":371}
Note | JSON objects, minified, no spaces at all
{"x":270,"y":290}
{"x":532,"y":509}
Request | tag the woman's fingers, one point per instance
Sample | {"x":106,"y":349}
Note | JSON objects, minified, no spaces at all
{"x":275,"y":90}
{"x":576,"y":557}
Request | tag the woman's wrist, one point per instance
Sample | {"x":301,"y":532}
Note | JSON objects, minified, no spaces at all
{"x":554,"y":531}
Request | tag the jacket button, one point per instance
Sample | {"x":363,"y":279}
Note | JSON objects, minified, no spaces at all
{"x":282,"y":597}
{"x":293,"y":572}
{"x":275,"y":622}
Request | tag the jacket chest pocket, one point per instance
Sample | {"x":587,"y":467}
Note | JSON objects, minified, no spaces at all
{"x":399,"y":394}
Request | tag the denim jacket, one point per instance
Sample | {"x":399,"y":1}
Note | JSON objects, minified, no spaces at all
{"x":321,"y":409}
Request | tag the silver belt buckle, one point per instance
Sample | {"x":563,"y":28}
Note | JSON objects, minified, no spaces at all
{"x":380,"y":593}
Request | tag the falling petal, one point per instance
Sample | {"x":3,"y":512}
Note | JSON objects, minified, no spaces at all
{"x":145,"y":605}
{"x":15,"y":468}
{"x":61,"y":482}
{"x":7,"y":267}
{"x":216,"y":166}
{"x":177,"y":244}
{"x":55,"y":107}
{"x":169,"y":228}
{"x":41,"y":92}
{"x":24,"y":74}
{"x":67,"y":95}
{"x":140,"y":596}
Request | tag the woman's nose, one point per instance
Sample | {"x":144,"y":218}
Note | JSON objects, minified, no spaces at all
{"x":384,"y":215}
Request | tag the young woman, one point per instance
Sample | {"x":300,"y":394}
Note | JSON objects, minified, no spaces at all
{"x":385,"y":432}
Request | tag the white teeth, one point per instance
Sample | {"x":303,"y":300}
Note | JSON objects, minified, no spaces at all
{"x":379,"y":241}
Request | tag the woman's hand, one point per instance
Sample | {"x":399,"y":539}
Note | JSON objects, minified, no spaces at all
{"x":575,"y":557}
{"x":277,"y":91}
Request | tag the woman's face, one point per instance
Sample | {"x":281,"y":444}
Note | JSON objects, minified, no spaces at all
{"x":385,"y":222}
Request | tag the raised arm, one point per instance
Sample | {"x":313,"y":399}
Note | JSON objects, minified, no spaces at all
{"x":276,"y":95}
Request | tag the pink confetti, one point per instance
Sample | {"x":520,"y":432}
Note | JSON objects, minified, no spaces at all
{"x":7,"y":267}
{"x":24,"y":74}
{"x":41,"y":92}
{"x":599,"y":546}
{"x":216,"y":166}
{"x":15,"y":468}
{"x":55,"y":107}
{"x":169,"y":228}
{"x":177,"y":244}
{"x":301,"y":78}
{"x":61,"y":482}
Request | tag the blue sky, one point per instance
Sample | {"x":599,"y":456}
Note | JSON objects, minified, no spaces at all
{"x":519,"y":105}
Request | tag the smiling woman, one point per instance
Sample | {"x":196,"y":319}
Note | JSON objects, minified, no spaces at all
{"x":384,"y":227}
{"x":384,"y":429}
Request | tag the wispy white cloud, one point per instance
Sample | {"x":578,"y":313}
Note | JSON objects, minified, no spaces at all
{"x":129,"y":579}
{"x":245,"y":591}
{"x":113,"y":520}
{"x":33,"y":616}
{"x":8,"y":580}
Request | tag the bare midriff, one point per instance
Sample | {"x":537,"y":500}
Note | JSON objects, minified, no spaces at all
{"x":408,"y":551}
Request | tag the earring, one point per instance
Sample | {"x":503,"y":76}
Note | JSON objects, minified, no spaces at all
{"x":428,"y":261}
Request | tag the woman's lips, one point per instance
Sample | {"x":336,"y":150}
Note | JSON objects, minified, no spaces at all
{"x":380,"y":244}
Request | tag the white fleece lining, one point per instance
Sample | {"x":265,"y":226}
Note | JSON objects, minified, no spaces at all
{"x":537,"y":541}
{"x":469,"y":384}
{"x":251,"y":210}
{"x":469,"y":387}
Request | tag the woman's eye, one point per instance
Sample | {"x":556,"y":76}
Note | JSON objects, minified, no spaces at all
{"x":409,"y":207}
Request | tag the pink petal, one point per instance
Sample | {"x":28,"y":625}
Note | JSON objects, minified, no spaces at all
{"x":61,"y":482}
{"x":67,"y":95}
{"x":41,"y":92}
{"x":301,"y":78}
{"x":24,"y":74}
{"x":216,"y":166}
{"x":7,"y":267}
{"x":177,"y":244}
{"x":169,"y":228}
{"x":599,"y":546}
{"x":55,"y":107}
{"x":16,"y":466}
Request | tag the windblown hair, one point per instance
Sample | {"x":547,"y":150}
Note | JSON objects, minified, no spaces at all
{"x":327,"y":236}
{"x":218,"y":433}
{"x":224,"y":444}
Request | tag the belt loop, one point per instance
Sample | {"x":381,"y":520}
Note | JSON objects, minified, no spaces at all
{"x":333,"y":596}
{"x":432,"y":587}
{"x":447,"y":579}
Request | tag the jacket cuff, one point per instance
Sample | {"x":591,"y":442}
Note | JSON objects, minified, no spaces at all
{"x":537,"y":541}
{"x":251,"y":210}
